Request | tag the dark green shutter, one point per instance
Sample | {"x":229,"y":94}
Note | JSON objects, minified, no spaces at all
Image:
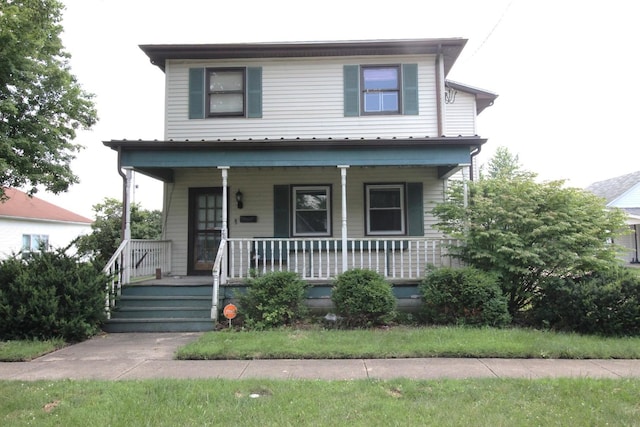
{"x":415,"y":209}
{"x":254,"y":92}
{"x":410,"y":89}
{"x":196,"y":93}
{"x":351,"y":90}
{"x":281,"y":211}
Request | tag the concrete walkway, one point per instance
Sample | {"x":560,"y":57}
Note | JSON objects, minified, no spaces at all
{"x":150,"y":355}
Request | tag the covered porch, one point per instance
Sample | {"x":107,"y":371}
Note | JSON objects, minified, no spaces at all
{"x":235,"y":244}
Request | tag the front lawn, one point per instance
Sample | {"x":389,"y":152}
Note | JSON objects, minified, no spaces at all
{"x":398,"y":342}
{"x":25,"y":350}
{"x":478,"y":402}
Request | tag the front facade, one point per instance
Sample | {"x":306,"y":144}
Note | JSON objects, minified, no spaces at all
{"x":312,"y":157}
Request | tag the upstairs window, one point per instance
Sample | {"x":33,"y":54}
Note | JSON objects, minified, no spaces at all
{"x":312,"y":211}
{"x":385,"y":209}
{"x":226,"y":92}
{"x":381,"y":90}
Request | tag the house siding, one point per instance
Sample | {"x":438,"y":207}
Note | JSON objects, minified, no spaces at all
{"x":60,"y":233}
{"x":460,"y":115}
{"x":287,"y":87}
{"x":257,"y":184}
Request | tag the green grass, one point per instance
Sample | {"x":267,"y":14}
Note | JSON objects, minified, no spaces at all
{"x":481,"y":402}
{"x":25,"y":350}
{"x":397,"y":342}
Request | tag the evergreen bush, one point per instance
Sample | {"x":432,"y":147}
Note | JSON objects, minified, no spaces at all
{"x":274,"y":299}
{"x":363,"y":298}
{"x":604,"y":303}
{"x":50,"y":295}
{"x":463,"y":296}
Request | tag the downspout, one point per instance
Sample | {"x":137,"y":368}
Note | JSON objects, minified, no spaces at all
{"x":635,"y":241}
{"x":123,"y":226}
{"x":439,"y":88}
{"x":474,"y":153}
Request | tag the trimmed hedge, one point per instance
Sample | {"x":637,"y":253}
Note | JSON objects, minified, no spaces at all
{"x":363,"y":298}
{"x":604,"y":303}
{"x":463,"y":296}
{"x":275,"y":299}
{"x":51,"y":295}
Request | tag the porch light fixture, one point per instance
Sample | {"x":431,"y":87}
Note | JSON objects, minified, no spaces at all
{"x":239,"y":199}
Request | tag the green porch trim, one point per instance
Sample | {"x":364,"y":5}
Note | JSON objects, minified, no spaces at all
{"x":299,"y":156}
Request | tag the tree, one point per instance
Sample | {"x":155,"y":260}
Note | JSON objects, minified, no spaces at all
{"x":106,"y":232}
{"x":528,"y":232}
{"x":41,"y":103}
{"x":506,"y":165}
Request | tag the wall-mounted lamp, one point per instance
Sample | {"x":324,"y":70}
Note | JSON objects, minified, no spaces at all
{"x":239,"y":199}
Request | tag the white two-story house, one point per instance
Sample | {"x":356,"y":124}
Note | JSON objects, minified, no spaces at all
{"x":314,"y":157}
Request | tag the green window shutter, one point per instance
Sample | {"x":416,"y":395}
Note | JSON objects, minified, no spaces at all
{"x":410,"y":89}
{"x":415,"y":209}
{"x":196,"y":93}
{"x":281,"y":211}
{"x":254,"y":92}
{"x":351,"y":78}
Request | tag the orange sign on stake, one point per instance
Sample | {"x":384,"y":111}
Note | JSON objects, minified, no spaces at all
{"x":230,"y":311}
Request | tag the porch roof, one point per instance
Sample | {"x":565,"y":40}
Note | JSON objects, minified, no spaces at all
{"x":158,"y":158}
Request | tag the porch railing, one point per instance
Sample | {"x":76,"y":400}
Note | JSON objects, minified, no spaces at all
{"x":135,"y":260}
{"x":322,"y":259}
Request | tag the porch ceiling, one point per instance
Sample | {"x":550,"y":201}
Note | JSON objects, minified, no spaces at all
{"x":159,"y":158}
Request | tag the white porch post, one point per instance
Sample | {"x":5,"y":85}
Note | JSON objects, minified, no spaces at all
{"x":126,"y":211}
{"x":225,"y":220}
{"x":345,"y":254}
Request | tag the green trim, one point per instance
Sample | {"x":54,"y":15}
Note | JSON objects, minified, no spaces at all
{"x":415,"y":209}
{"x":281,"y":206}
{"x":254,"y":92}
{"x":410,"y":89}
{"x":351,"y":76}
{"x":297,"y":156}
{"x":196,"y":93}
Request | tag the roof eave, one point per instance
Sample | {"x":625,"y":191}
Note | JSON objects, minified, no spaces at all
{"x":449,"y":47}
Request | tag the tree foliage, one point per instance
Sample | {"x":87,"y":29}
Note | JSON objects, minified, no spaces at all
{"x":106,"y":232}
{"x":527,"y":232}
{"x":41,"y":103}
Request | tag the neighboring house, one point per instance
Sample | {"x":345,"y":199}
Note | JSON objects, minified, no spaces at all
{"x":623,"y":192}
{"x":314,"y":157}
{"x":28,"y":223}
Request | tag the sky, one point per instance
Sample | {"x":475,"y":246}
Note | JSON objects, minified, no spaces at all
{"x":566,"y":73}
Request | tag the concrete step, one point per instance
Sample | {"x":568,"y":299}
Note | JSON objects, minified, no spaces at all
{"x":159,"y":325}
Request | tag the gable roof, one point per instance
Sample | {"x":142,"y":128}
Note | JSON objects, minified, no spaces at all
{"x":611,"y":189}
{"x":450,"y":48}
{"x":21,"y":205}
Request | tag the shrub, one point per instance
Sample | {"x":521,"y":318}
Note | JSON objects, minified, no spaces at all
{"x":605,"y":303}
{"x":50,"y":295}
{"x":463,"y":296}
{"x":275,"y":299}
{"x":363,"y":298}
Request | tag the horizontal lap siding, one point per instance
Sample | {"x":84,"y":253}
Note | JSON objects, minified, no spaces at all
{"x":301,"y":98}
{"x":460,"y":115}
{"x":257,"y":184}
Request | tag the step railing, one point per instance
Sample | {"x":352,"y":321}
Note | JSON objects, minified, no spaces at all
{"x":135,"y":259}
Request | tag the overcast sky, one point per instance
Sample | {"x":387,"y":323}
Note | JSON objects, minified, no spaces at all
{"x":566,"y":72}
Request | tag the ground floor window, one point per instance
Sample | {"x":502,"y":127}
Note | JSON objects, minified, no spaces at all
{"x":385,"y":208}
{"x":34,"y":243}
{"x":311,"y":210}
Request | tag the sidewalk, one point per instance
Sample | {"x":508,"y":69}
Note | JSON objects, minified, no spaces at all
{"x":149,"y":355}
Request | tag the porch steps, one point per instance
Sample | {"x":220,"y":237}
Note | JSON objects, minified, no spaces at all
{"x":162,"y":308}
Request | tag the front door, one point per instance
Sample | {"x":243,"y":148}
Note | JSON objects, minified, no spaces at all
{"x":205,"y":228}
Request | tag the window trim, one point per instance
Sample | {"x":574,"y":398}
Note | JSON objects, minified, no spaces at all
{"x":403,"y":208}
{"x":209,"y":92}
{"x":43,"y":239}
{"x":398,"y":90}
{"x":328,"y":189}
